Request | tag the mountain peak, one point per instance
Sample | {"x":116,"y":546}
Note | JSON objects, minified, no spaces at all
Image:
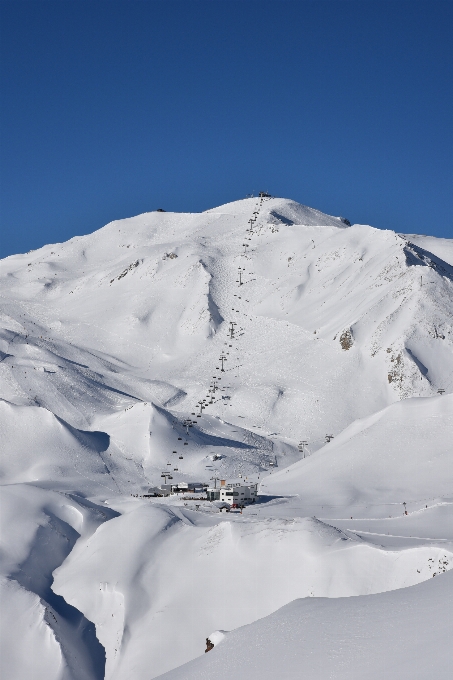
{"x":280,"y":210}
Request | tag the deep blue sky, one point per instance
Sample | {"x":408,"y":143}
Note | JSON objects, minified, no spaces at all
{"x":111,"y":108}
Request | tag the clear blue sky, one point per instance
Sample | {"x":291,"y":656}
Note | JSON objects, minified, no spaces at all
{"x":110,"y":109}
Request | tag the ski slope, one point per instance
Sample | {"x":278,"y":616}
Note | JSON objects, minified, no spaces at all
{"x":207,"y":346}
{"x":401,"y":454}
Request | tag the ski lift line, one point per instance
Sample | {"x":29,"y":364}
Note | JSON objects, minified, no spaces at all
{"x":208,"y":401}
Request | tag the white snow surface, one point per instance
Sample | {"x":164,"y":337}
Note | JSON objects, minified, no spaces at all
{"x":264,"y":323}
{"x":404,"y":634}
{"x":402,"y":454}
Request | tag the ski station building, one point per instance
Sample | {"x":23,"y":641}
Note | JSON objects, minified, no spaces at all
{"x":234,"y":494}
{"x":180,"y":487}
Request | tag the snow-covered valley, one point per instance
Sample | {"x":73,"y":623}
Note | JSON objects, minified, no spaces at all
{"x":260,"y":342}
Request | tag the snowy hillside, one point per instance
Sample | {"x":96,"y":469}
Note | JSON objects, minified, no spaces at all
{"x":400,"y":454}
{"x":209,"y":346}
{"x":332,"y":323}
{"x":340,"y":639}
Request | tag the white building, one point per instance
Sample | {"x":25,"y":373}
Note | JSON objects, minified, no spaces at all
{"x":213,"y":494}
{"x":238,"y":494}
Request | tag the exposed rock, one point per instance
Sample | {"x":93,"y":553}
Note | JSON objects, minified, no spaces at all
{"x":346,"y":339}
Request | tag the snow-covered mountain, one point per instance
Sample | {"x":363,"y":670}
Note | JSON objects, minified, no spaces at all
{"x":122,"y":332}
{"x":210,"y":345}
